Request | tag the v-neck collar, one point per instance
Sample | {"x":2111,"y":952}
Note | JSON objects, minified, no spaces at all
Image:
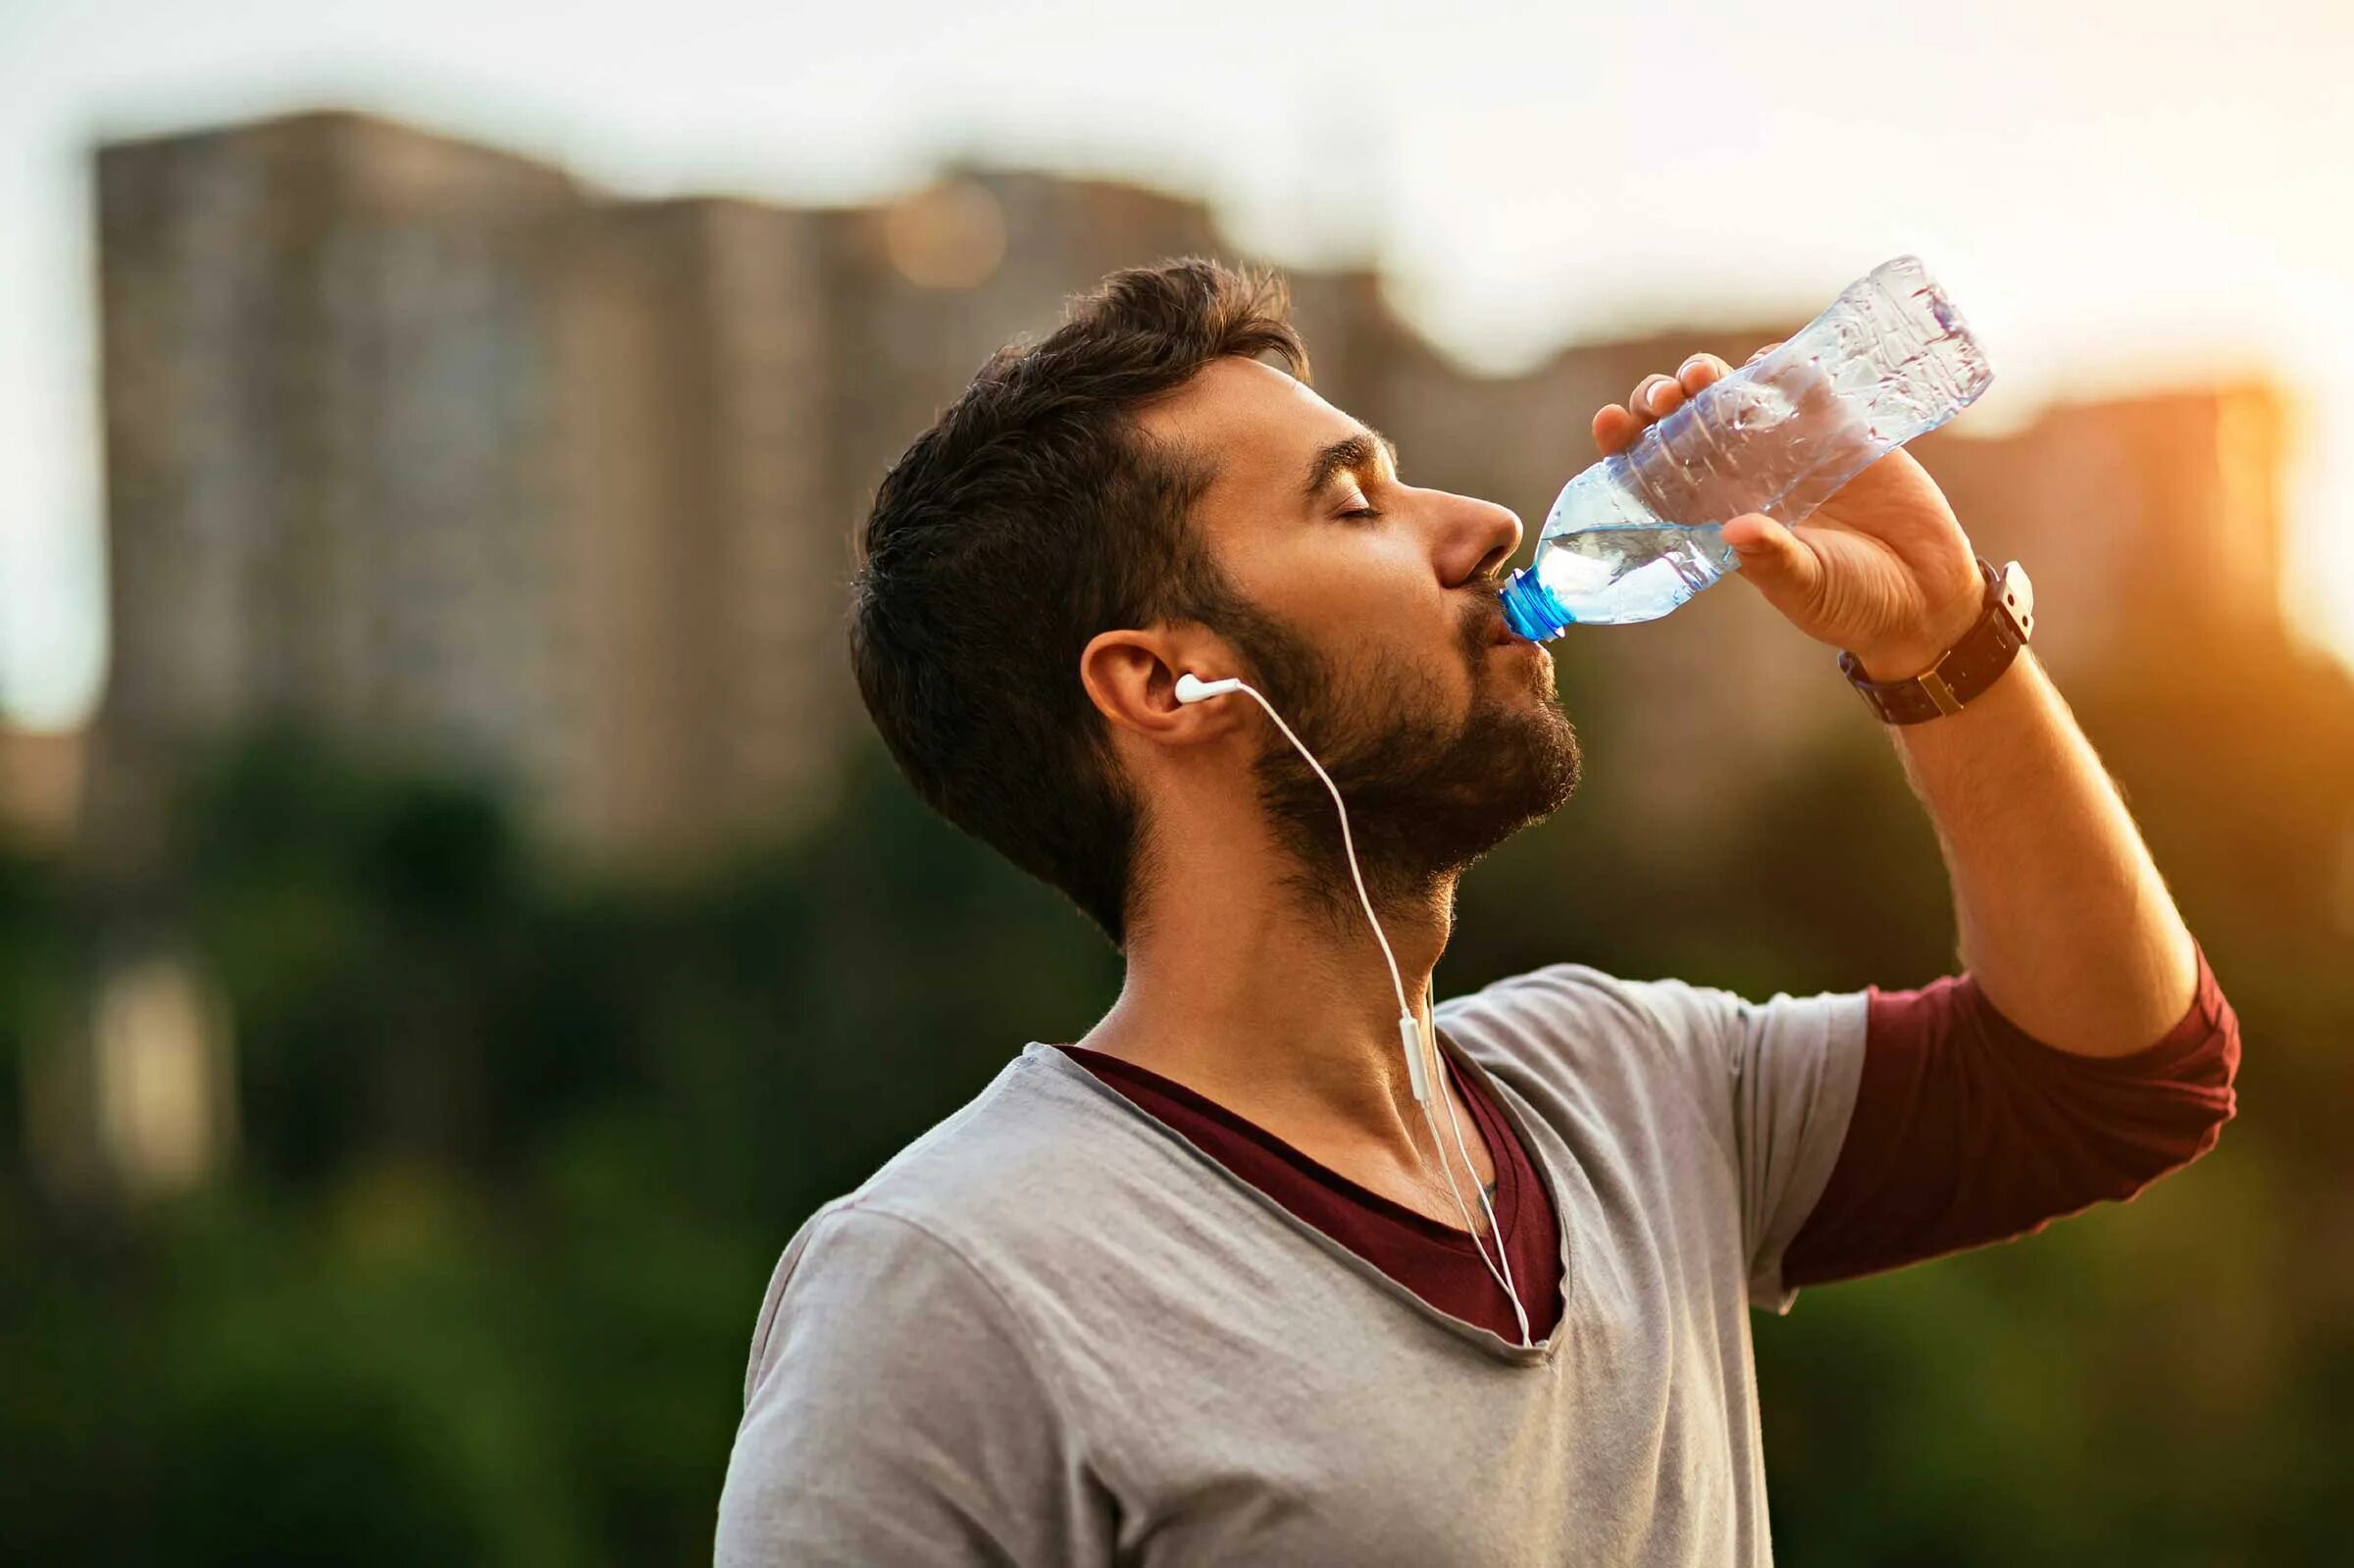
{"x":1541,"y":1159}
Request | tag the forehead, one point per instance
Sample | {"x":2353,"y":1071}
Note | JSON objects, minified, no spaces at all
{"x":1259,"y":426}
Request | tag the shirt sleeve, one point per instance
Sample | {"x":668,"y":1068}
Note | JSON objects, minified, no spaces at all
{"x":893,"y":1414}
{"x":1785,"y":1072}
{"x":1966,"y":1130}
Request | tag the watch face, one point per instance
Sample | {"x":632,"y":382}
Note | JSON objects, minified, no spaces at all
{"x":2019,"y":597}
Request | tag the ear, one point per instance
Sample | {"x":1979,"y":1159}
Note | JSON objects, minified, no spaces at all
{"x":1130,"y":677}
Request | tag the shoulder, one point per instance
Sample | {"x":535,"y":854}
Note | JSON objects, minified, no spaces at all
{"x":1035,"y":1130}
{"x":892,"y":1374}
{"x":971,"y":1212}
{"x":1574,"y":1025}
{"x":1579,"y":1010}
{"x":1561,"y":998}
{"x":1035,"y":1133}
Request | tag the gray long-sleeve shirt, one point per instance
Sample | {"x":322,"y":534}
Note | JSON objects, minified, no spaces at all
{"x":1051,"y":1331}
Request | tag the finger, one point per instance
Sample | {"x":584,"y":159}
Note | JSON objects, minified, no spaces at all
{"x":1655,"y":396}
{"x":1700,"y":371}
{"x":1614,"y":430}
{"x":1777,"y":563}
{"x":1761,"y":353}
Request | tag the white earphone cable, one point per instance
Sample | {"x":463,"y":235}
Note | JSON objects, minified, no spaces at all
{"x":1410,"y":1031}
{"x":1504,"y":1276}
{"x":1511,"y":1289}
{"x":1348,"y":845}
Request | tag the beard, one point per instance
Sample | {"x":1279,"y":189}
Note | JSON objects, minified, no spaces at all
{"x":1429,"y":792}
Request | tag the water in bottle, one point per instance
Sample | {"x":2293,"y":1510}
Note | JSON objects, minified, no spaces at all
{"x":1640,"y":532}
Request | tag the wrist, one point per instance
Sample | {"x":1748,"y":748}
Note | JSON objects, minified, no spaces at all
{"x":1912,"y":657}
{"x":1949,"y":674}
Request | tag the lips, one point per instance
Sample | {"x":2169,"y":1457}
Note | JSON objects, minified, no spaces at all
{"x":1491,"y":630}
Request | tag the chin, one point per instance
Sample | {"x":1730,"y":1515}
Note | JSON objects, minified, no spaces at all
{"x":1529,"y":758}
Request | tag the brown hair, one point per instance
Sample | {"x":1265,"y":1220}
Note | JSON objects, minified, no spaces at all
{"x":1032,"y":515}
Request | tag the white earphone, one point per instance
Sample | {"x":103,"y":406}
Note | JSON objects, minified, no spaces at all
{"x":1191,"y":688}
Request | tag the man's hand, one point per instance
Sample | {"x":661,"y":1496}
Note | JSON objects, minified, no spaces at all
{"x":1882,"y":569}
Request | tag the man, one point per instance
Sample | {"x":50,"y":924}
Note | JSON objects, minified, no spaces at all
{"x":1197,"y":1288}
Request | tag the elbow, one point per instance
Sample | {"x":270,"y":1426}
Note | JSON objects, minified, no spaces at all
{"x":2184,"y":1144}
{"x":2189,"y":1105}
{"x":2114,"y":1125}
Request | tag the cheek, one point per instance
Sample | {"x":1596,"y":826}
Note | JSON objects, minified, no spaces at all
{"x":1369,"y":600}
{"x":1370,"y":583}
{"x":1422,"y":671}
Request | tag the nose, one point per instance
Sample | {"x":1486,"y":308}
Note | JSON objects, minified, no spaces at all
{"x":1478,"y":537}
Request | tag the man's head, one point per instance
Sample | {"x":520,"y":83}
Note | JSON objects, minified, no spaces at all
{"x":1139,"y":495}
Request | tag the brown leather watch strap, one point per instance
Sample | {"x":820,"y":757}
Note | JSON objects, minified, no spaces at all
{"x":1969,"y":666}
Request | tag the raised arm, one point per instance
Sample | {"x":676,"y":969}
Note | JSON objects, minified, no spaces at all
{"x":2063,"y":919}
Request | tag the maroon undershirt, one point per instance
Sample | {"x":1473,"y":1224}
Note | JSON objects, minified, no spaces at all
{"x":1966,"y":1129}
{"x":1435,"y":1261}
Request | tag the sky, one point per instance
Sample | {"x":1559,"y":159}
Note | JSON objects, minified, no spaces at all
{"x":2119,"y":197}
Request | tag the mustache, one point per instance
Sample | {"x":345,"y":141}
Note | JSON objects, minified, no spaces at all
{"x":1482,"y":617}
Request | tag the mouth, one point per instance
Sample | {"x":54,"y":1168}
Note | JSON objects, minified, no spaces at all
{"x":1492,"y":630}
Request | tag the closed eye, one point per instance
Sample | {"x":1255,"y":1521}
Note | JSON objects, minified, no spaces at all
{"x":1361,"y":508}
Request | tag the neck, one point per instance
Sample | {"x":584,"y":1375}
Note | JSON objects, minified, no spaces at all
{"x":1273,"y":999}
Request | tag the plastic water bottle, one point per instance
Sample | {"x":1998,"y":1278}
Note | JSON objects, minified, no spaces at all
{"x":1640,"y":532}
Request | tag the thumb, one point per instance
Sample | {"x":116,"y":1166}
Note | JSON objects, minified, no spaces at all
{"x":1776,"y":561}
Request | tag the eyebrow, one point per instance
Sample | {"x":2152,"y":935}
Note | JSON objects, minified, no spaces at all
{"x":1351,"y":454}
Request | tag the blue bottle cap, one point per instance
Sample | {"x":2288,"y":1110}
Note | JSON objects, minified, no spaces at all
{"x":1532,"y":610}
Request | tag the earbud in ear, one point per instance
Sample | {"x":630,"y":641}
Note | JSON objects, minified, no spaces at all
{"x":1191,"y":687}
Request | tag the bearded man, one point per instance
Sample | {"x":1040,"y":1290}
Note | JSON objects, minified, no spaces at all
{"x":1202,"y":1287}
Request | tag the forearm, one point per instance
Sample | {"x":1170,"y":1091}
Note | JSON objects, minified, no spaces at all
{"x":2062,"y":913}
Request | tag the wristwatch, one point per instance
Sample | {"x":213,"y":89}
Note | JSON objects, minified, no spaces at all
{"x":1969,"y":666}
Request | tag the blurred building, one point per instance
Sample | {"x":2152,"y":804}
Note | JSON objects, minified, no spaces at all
{"x":699,"y":675}
{"x":2156,"y":521}
{"x":40,"y":784}
{"x":439,"y":448}
{"x":332,"y":483}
